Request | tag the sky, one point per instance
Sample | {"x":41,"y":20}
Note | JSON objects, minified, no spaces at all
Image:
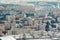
{"x":19,"y":1}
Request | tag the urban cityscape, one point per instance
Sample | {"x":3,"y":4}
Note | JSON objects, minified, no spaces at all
{"x":31,"y":20}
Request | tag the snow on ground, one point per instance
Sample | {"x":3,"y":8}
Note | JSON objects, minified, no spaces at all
{"x":7,"y":38}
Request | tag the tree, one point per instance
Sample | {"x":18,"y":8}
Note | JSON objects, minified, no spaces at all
{"x":47,"y":26}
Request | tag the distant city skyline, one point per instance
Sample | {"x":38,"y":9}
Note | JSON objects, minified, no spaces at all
{"x":23,"y":1}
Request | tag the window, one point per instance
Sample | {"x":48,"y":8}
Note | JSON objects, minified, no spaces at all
{"x":16,"y":18}
{"x":29,"y":14}
{"x":19,"y":12}
{"x":13,"y":32}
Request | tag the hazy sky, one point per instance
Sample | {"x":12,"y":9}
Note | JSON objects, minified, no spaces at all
{"x":18,"y":1}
